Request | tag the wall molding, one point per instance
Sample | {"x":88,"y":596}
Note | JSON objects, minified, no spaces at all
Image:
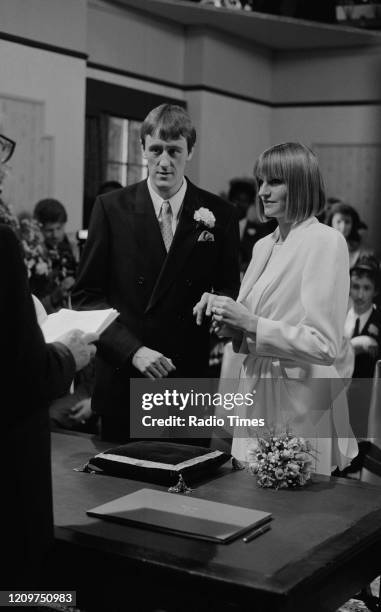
{"x":28,"y":42}
{"x":228,"y":94}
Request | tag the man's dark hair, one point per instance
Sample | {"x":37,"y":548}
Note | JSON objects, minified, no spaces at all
{"x":242,"y":185}
{"x":348,"y":210}
{"x":170,"y":122}
{"x":108,"y":186}
{"x":50,"y":211}
{"x":367,"y":266}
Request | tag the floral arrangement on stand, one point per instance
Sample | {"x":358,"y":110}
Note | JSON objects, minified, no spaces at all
{"x":36,"y":260}
{"x":281,"y":461}
{"x":28,"y":231}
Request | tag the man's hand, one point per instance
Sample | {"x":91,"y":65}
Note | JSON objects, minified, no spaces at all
{"x":80,"y":345}
{"x":365,"y":344}
{"x":81,"y":411}
{"x":62,"y":292}
{"x":204,"y":307}
{"x":152,"y":363}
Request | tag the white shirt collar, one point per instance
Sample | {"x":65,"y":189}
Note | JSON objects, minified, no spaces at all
{"x":351,"y":320}
{"x":175,"y":201}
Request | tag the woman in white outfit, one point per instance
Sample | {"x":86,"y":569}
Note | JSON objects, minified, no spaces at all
{"x":290,"y":313}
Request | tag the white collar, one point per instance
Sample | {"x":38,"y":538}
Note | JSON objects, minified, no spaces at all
{"x":352,"y":316}
{"x":175,"y":201}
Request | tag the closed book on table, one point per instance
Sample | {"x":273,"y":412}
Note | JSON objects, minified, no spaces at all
{"x":181,"y":515}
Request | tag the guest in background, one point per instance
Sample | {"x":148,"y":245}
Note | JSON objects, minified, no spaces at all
{"x":363,"y":323}
{"x":54,"y":289}
{"x":243,"y":193}
{"x":363,"y":327}
{"x":346,"y":220}
{"x":324,"y":215}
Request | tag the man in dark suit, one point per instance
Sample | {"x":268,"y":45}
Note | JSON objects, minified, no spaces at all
{"x":32,"y":374}
{"x":153,"y":249}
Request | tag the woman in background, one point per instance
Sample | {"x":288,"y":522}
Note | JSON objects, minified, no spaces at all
{"x":346,"y":220}
{"x":290,"y":313}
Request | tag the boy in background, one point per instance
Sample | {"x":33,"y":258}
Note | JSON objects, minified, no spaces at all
{"x":363,"y":323}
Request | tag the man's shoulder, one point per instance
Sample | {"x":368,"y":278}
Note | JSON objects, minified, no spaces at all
{"x":375,"y":317}
{"x":8,"y":238}
{"x":122,"y":197}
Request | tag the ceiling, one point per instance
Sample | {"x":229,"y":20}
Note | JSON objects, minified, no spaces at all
{"x":270,"y":31}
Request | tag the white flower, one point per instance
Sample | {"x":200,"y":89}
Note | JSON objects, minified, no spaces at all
{"x":205,"y":217}
{"x":42,"y":268}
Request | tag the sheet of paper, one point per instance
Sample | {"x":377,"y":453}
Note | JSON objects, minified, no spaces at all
{"x":88,"y":321}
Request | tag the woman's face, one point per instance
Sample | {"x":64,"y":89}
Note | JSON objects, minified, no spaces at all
{"x":343,"y":223}
{"x":273,"y":194}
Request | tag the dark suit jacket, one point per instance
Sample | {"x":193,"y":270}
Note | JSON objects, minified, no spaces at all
{"x":365,"y":363}
{"x":32,"y":374}
{"x":125,"y":266}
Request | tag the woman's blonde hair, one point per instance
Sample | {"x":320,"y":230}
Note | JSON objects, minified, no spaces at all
{"x":294,"y":164}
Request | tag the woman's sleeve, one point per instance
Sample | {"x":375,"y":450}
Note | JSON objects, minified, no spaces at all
{"x":324,"y":299}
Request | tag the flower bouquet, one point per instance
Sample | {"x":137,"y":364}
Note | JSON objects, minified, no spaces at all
{"x":282,"y":461}
{"x":36,"y":260}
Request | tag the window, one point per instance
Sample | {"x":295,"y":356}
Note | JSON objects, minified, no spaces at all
{"x":124,"y":162}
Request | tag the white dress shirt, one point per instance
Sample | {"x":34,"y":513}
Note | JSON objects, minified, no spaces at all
{"x":175,"y":201}
{"x":350,"y":321}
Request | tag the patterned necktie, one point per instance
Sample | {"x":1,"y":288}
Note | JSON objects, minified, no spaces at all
{"x":356,"y":331}
{"x":166,"y":223}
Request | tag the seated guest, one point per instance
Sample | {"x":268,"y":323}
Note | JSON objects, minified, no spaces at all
{"x":363,"y":327}
{"x":363,"y":323}
{"x":346,"y":220}
{"x":54,"y":289}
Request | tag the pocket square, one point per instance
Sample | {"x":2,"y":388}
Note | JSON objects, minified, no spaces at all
{"x":205,"y":237}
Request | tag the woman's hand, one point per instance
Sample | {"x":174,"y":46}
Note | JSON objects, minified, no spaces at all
{"x":234,"y":315}
{"x":225,"y":331}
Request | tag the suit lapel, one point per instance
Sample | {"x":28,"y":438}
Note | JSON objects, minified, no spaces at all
{"x":185,"y":237}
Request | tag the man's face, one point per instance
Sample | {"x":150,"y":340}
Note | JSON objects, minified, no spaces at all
{"x":53,"y":233}
{"x":166,"y":160}
{"x":363,"y":293}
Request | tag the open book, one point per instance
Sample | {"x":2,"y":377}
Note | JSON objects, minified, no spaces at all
{"x":88,"y":321}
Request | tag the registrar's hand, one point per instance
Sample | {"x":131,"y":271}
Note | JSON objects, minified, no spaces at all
{"x":204,"y":307}
{"x":152,"y":364}
{"x":80,"y":345}
{"x":81,"y":412}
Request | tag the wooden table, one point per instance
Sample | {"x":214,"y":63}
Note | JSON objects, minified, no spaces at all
{"x":324,"y":544}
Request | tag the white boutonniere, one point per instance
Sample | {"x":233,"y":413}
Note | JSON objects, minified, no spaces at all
{"x":203,"y":216}
{"x":372,"y":329}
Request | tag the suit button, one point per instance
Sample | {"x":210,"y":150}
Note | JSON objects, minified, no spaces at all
{"x":140,"y":280}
